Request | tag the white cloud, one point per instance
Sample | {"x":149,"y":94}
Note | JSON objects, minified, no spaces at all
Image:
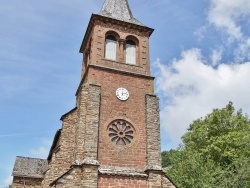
{"x":7,"y":181}
{"x":225,"y":14}
{"x":191,"y":89}
{"x":243,"y":50}
{"x":216,"y":56}
{"x":200,"y":32}
{"x":41,"y":152}
{"x":228,"y":17}
{"x":231,"y":19}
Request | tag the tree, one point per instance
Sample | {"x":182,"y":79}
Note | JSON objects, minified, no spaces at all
{"x":215,"y":152}
{"x":165,"y":155}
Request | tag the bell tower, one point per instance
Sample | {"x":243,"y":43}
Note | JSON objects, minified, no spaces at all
{"x":116,"y":58}
{"x":116,"y":61}
{"x":111,"y":139}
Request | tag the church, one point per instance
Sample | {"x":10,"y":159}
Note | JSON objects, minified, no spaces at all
{"x":111,"y":138}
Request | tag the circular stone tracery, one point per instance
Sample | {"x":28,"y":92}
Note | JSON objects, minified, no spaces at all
{"x":121,"y":132}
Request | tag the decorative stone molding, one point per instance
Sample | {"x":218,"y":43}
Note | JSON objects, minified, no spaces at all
{"x":86,"y":162}
{"x":154,"y":168}
{"x":121,"y":132}
{"x":121,"y":171}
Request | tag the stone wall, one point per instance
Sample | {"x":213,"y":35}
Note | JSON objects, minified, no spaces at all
{"x":166,"y":183}
{"x":70,"y":179}
{"x":154,"y":179}
{"x":153,"y":132}
{"x":82,"y":99}
{"x":63,"y":154}
{"x":20,"y":182}
{"x":154,"y":169}
{"x":92,"y":123}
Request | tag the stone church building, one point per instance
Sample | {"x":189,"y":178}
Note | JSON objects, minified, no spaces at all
{"x":111,"y":139}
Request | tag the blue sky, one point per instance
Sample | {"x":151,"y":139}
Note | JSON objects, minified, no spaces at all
{"x":200,"y":54}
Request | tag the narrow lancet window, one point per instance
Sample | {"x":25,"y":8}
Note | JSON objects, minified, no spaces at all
{"x":110,"y":47}
{"x":130,"y":52}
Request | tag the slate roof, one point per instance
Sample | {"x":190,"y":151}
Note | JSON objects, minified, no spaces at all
{"x":29,"y":167}
{"x":120,"y":10}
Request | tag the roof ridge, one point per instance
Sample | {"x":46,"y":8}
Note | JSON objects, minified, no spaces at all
{"x":29,"y":157}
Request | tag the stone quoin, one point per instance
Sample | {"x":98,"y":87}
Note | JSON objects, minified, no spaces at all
{"x":111,"y":138}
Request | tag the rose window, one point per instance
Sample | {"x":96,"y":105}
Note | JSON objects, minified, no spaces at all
{"x":121,"y":132}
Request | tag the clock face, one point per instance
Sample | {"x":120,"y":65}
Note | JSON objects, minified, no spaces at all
{"x":122,"y":94}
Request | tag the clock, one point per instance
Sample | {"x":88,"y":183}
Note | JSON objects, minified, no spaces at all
{"x":122,"y":94}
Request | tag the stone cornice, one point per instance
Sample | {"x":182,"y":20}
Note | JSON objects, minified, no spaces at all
{"x":114,"y":70}
{"x":121,"y":171}
{"x":28,"y":176}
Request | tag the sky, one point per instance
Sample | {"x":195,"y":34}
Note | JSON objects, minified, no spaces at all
{"x":199,"y":53}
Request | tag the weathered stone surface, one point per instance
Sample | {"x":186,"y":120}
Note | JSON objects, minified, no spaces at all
{"x":21,"y":182}
{"x":92,"y":122}
{"x":166,"y":183}
{"x":82,"y":99}
{"x":154,"y":179}
{"x":153,"y":133}
{"x":72,"y":178}
{"x":63,"y":155}
{"x":90,"y":176}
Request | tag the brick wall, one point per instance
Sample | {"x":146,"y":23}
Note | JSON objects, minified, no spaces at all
{"x":132,"y":110}
{"x":121,"y":182}
{"x":96,"y":46}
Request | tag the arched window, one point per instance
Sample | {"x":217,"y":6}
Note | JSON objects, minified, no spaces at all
{"x":110,"y":47}
{"x":130,"y":52}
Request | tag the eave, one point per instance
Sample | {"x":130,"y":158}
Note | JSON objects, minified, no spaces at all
{"x":111,"y":20}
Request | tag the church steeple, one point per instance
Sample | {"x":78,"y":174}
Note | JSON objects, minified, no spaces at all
{"x":112,"y":136}
{"x":118,"y":9}
{"x":129,"y":37}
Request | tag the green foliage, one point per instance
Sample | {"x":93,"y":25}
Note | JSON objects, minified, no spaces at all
{"x":215,"y":152}
{"x":165,"y":155}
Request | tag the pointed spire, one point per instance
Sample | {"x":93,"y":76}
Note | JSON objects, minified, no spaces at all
{"x":118,"y":9}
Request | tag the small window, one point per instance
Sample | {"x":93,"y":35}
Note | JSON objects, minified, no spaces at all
{"x":110,"y":47}
{"x":130,"y":52}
